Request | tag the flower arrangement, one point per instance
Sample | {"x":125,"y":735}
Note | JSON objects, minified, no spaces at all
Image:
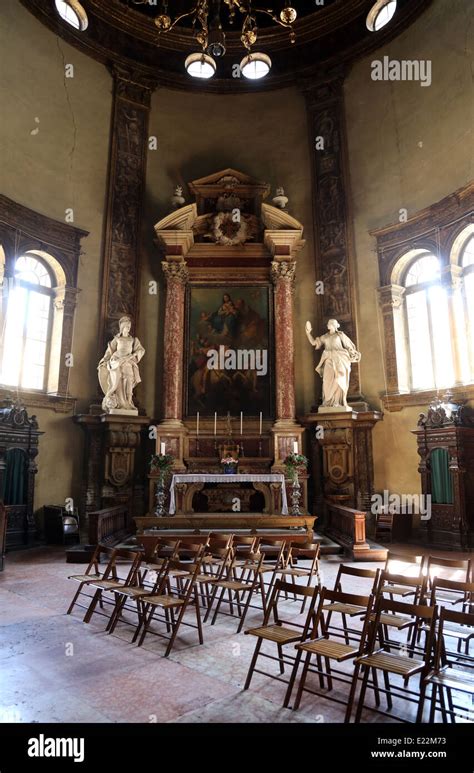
{"x":229,"y":464}
{"x":161,"y":464}
{"x":293,"y":462}
{"x":229,"y":460}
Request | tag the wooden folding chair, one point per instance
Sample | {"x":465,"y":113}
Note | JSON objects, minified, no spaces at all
{"x":280,"y":631}
{"x":114,"y":579}
{"x":130,"y":597}
{"x":216,"y":551}
{"x":401,"y":565}
{"x":93,"y":572}
{"x":108,"y":577}
{"x":458,"y":570}
{"x":279,"y":551}
{"x":308,"y":551}
{"x":345,"y":577}
{"x":243,"y":546}
{"x":326,"y":649}
{"x":236,"y":586}
{"x":163,"y":550}
{"x":406,"y":666}
{"x":217,"y":561}
{"x":169,"y":602}
{"x":406,"y":586}
{"x":451,"y":672}
{"x":449,"y":593}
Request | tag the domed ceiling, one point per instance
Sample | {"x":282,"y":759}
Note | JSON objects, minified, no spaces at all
{"x":327,"y":35}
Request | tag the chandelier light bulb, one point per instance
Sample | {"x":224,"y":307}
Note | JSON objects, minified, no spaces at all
{"x":255,"y":65}
{"x":200,"y":65}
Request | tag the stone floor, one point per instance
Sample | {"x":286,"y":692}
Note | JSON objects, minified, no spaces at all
{"x":55,"y":668}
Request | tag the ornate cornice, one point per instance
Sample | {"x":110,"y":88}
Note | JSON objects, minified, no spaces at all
{"x":39,"y":227}
{"x":333,"y":34}
{"x":434,"y":228}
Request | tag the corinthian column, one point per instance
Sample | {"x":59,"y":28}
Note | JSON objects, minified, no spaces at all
{"x":176,"y":274}
{"x":283,"y":277}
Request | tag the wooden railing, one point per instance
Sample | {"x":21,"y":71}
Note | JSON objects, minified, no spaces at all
{"x":347,"y":527}
{"x":109,"y":525}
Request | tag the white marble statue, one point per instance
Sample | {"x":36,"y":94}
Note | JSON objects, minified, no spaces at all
{"x":280,"y":200}
{"x":118,"y":370}
{"x":334,"y":366}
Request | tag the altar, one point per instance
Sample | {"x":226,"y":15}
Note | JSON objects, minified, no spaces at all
{"x":184,"y":486}
{"x":228,"y":359}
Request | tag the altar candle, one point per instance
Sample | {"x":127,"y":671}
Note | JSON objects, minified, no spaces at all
{"x":295,"y":447}
{"x":197,"y":424}
{"x":215,"y":424}
{"x":241,"y":423}
{"x":162,"y":449}
{"x":260,"y":422}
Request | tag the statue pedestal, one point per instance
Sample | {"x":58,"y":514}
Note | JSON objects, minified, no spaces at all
{"x":342,"y":459}
{"x":112,"y":444}
{"x":334,"y":409}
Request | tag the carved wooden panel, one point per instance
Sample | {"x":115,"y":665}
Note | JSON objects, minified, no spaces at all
{"x":129,"y":145}
{"x":332,"y":217}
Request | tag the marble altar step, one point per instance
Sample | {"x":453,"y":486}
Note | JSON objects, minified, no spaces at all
{"x":328,"y":546}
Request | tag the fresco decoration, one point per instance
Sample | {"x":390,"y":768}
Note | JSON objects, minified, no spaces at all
{"x":229,"y":357}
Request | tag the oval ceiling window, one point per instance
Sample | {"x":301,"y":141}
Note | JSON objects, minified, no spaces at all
{"x":380,"y":14}
{"x":72,"y":12}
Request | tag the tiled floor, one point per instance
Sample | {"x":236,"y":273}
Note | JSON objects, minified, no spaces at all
{"x":55,"y":668}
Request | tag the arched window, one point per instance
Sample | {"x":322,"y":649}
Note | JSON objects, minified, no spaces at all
{"x":428,"y":325}
{"x":27,"y":324}
{"x":467,"y":264}
{"x":426,"y":300}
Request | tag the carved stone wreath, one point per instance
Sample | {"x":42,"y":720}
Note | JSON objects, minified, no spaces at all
{"x":225,"y":230}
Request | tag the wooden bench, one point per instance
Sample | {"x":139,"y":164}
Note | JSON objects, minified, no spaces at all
{"x":109,"y":526}
{"x":346,"y":526}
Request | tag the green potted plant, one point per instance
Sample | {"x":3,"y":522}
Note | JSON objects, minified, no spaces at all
{"x":161,"y":464}
{"x":295,"y":463}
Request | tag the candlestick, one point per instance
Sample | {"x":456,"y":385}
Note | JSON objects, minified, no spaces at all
{"x":295,"y":447}
{"x":260,"y":422}
{"x":215,"y":424}
{"x":241,"y":423}
{"x":162,"y":449}
{"x":197,"y":424}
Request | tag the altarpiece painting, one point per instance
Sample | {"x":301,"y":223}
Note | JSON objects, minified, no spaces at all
{"x":229,"y":350}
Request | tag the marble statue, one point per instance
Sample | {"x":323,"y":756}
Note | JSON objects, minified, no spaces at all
{"x":334,"y":366}
{"x":177,"y":199}
{"x":280,"y":200}
{"x":118,"y":371}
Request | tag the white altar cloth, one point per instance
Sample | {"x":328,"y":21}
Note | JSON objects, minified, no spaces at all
{"x":222,"y":478}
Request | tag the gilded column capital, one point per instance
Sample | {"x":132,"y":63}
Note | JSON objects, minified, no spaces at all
{"x":176,"y":271}
{"x":283,"y":271}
